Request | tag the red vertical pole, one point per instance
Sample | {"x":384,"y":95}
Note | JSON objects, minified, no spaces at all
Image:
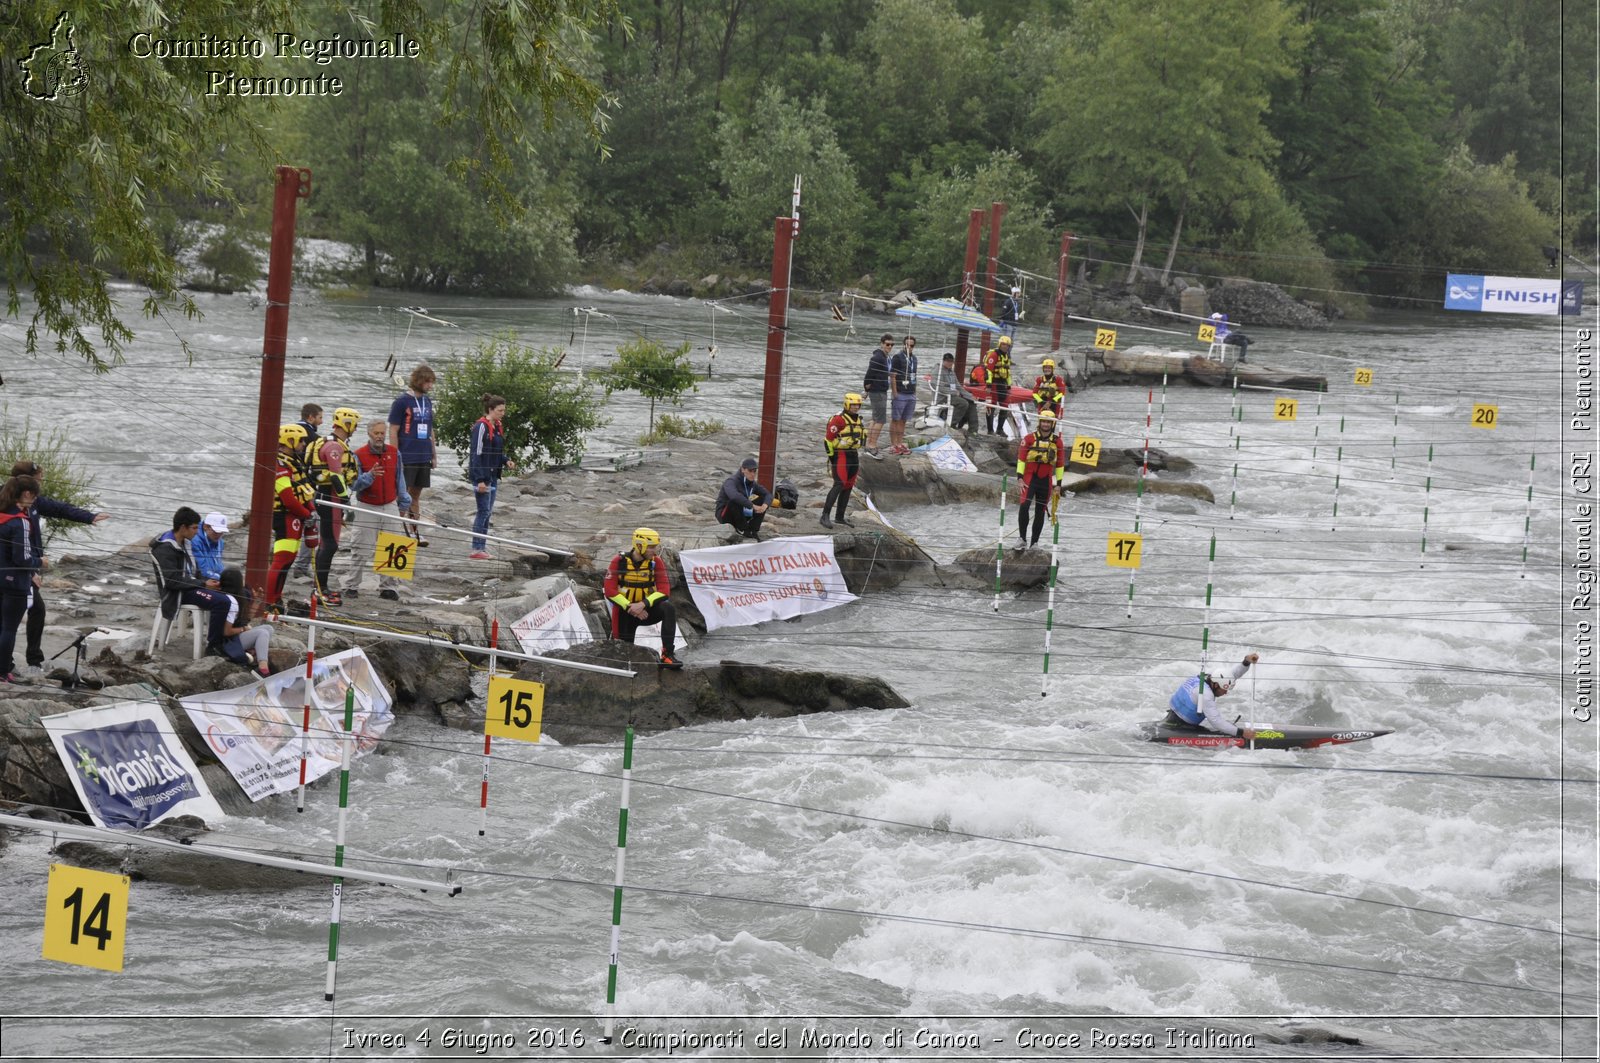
{"x":293,"y":184}
{"x":784,"y":231}
{"x":1061,"y":294}
{"x":969,"y":288}
{"x":996,"y":212}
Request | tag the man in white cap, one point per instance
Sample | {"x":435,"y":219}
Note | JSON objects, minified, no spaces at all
{"x":1010,"y":312}
{"x":207,"y":548}
{"x":1195,"y":702}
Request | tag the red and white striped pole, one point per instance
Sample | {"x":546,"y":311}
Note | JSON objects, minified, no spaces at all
{"x":305,"y":719}
{"x":483,"y":795}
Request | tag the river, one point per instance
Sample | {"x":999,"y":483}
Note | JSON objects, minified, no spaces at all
{"x":990,"y":873}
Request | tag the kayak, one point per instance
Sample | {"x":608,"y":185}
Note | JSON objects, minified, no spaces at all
{"x":1017,"y":396}
{"x":1267,"y":737}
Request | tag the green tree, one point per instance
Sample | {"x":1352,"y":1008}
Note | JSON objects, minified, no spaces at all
{"x":758,"y":161}
{"x":79,"y":173}
{"x":547,"y":411}
{"x":1161,"y":105}
{"x":648,"y":367}
{"x":64,"y":477}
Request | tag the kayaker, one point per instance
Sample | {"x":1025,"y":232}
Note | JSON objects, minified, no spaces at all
{"x":1195,"y":702}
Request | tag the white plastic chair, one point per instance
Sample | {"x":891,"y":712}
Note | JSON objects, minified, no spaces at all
{"x":162,"y":630}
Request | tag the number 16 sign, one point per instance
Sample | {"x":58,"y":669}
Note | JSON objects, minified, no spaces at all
{"x":395,"y":556}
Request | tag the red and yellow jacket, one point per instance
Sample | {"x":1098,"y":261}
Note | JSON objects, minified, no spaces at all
{"x":1042,"y":455}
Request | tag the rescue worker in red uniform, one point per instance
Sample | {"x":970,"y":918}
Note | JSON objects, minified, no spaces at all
{"x":291,"y":508}
{"x":637,"y":587}
{"x":1041,"y":466}
{"x":998,"y":364}
{"x":1048,"y":388}
{"x":843,"y":440}
{"x":333,"y":470}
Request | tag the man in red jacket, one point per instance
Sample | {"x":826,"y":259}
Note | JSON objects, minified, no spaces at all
{"x":379,"y":484}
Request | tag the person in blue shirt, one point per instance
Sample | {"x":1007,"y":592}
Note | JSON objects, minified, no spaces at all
{"x":207,"y":549}
{"x":411,"y":432}
{"x":486,"y":460}
{"x":1195,"y":702}
{"x":743,"y":502}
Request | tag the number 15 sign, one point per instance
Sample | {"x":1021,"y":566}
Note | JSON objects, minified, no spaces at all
{"x":515,"y":709}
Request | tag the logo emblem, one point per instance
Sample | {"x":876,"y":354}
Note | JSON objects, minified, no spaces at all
{"x":53,"y":71}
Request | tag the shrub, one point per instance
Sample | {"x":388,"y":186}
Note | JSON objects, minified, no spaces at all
{"x":64,"y":479}
{"x":547,"y":411}
{"x":674,"y":427}
{"x":648,"y":367}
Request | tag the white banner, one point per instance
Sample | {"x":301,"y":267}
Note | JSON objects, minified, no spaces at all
{"x":1512,"y":295}
{"x":946,"y":454}
{"x":754,"y":582}
{"x":128,"y":766}
{"x":256,"y":730}
{"x":555,"y":625}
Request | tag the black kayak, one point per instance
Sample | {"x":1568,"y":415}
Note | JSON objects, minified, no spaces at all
{"x":1267,"y":737}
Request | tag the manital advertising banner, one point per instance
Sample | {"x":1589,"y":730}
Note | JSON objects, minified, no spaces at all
{"x":128,"y":766}
{"x":754,"y":582}
{"x":256,"y":730}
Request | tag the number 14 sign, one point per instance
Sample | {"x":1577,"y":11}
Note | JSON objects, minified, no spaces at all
{"x":85,"y":917}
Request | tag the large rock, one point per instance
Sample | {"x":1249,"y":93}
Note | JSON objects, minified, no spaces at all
{"x":1020,"y":569}
{"x":592,"y":707}
{"x":1256,"y":303}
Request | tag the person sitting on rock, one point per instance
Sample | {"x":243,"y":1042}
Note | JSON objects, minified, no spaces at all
{"x":1048,"y":388}
{"x":963,"y":411}
{"x":743,"y":501}
{"x":1041,"y":466}
{"x":637,"y":587}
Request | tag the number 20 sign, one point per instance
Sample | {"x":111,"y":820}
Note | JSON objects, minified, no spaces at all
{"x":515,"y":709}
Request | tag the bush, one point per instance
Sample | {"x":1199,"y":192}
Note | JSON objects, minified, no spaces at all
{"x":674,"y":427}
{"x":646,"y":366}
{"x":547,"y":411}
{"x":64,"y":479}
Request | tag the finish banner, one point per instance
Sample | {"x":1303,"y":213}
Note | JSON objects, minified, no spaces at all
{"x":754,"y":582}
{"x":1512,"y":295}
{"x":128,"y":766}
{"x":255,"y":730}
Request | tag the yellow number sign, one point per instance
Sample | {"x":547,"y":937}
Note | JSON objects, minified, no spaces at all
{"x":396,"y":555}
{"x":1485,"y":416}
{"x":1208,"y":334}
{"x":1285,"y":409}
{"x":1123,"y":549}
{"x":1364,"y":377}
{"x":1086,"y":450}
{"x":85,"y":917}
{"x":1105,"y":339}
{"x":515,"y":709}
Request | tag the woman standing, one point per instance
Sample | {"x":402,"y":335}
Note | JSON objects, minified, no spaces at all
{"x":483,"y":469}
{"x":411,"y":433}
{"x":243,"y":644}
{"x":19,"y":566}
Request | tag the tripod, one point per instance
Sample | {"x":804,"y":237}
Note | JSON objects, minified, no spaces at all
{"x":74,"y":681}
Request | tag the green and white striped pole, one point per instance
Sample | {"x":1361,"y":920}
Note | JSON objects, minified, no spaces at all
{"x":616,"y":894}
{"x":1050,"y":600}
{"x":1394,"y":440}
{"x":1527,"y":520}
{"x":1338,"y":467}
{"x":1427,"y":492}
{"x":1138,"y":497}
{"x":1205,"y":612}
{"x":345,"y":742}
{"x":1161,"y":427}
{"x":1000,"y":543}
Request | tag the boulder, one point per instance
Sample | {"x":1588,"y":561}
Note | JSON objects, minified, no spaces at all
{"x":1020,"y":569}
{"x":590,"y":707}
{"x":1251,"y":303}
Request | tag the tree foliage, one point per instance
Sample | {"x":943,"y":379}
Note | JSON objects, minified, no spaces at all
{"x":653,"y":370}
{"x":65,"y":477}
{"x":547,"y":411}
{"x":81,"y":174}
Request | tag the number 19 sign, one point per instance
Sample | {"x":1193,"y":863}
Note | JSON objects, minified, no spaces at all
{"x":515,"y":710}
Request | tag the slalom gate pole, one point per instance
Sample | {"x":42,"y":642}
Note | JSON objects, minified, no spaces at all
{"x":1316,"y":428}
{"x":305,"y":719}
{"x":1233,"y":489}
{"x":1427,"y":492}
{"x":1000,"y":543}
{"x":1138,"y":497}
{"x":1161,"y":426}
{"x":1394,"y":440}
{"x":616,"y":895}
{"x":1205,"y":612}
{"x":1050,"y":600}
{"x":1527,"y":520}
{"x":346,"y":740}
{"x":1338,"y":467}
{"x":483,"y":795}
{"x":1235,"y":411}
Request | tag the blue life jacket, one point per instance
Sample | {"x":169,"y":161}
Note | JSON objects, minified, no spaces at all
{"x":1185,"y":702}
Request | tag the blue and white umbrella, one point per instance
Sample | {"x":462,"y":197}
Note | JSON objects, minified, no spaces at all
{"x":948,"y":312}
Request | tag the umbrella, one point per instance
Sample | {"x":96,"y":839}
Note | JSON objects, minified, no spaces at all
{"x":948,"y":312}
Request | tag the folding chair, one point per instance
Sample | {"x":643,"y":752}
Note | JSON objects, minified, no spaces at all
{"x":162,"y":630}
